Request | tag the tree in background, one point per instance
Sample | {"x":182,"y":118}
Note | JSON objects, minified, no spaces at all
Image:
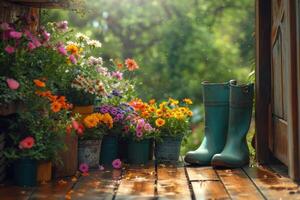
{"x":177,"y":43}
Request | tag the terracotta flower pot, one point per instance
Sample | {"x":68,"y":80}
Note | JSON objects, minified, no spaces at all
{"x":44,"y":171}
{"x":69,"y":158}
{"x":83,"y":110}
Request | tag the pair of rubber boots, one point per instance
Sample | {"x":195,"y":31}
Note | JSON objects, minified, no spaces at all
{"x":228,"y":111}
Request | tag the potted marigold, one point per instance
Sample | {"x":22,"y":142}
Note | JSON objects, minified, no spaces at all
{"x":89,"y":145}
{"x":173,"y":122}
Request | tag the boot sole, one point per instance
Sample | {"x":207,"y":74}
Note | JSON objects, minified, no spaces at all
{"x":222,"y":164}
{"x":194,"y":162}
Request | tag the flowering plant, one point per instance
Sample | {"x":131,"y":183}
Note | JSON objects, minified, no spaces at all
{"x":140,"y":129}
{"x":169,"y":117}
{"x":36,"y":132}
{"x":119,"y":116}
{"x":90,"y":126}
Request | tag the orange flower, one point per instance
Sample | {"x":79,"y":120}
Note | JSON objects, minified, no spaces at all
{"x":73,"y":49}
{"x":39,"y":83}
{"x":131,"y":64}
{"x":160,"y":122}
{"x":152,"y":101}
{"x":120,"y":65}
{"x":55,"y":106}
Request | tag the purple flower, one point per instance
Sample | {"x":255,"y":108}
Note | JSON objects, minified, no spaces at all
{"x":15,"y":35}
{"x":120,"y":115}
{"x":117,"y":75}
{"x":117,"y":164}
{"x":116,"y":93}
{"x":113,"y":111}
{"x":84,"y":168}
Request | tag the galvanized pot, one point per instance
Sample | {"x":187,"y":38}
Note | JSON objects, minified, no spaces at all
{"x":168,"y":150}
{"x":88,"y":152}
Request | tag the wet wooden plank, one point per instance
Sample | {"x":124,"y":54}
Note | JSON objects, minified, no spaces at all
{"x":201,"y":174}
{"x":238,"y":184}
{"x":172,"y":182}
{"x":209,"y":190}
{"x":138,"y":182}
{"x":273,"y":185}
{"x":96,"y":185}
{"x":15,"y":193}
{"x":54,"y":190}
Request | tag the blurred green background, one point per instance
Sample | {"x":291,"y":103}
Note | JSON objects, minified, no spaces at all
{"x":177,"y":43}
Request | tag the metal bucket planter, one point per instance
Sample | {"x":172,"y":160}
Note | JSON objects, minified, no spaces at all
{"x":88,"y":152}
{"x":25,"y":172}
{"x":168,"y":150}
{"x":109,"y":150}
{"x":138,"y":151}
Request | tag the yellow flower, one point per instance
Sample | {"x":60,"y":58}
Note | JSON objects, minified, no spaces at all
{"x":108,"y":120}
{"x":160,"y":122}
{"x":90,"y":121}
{"x":151,"y":109}
{"x":182,"y":109}
{"x":159,"y":112}
{"x":190,"y":113}
{"x":73,"y":49}
{"x":173,"y":101}
{"x":188,"y":101}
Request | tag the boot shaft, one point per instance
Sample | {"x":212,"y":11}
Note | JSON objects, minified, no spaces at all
{"x":240,"y":110}
{"x":216,"y":107}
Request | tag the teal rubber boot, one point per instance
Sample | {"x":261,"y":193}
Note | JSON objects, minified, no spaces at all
{"x":236,"y":152}
{"x":216,"y":107}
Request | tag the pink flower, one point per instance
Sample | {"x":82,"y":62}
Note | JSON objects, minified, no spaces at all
{"x":80,"y":130}
{"x":139,"y":133}
{"x":15,"y":34}
{"x":27,"y":143}
{"x":117,"y":164}
{"x":84,"y":168}
{"x":75,"y":124}
{"x":5,"y":26}
{"x":148,"y":127}
{"x":62,"y":50}
{"x":73,"y":59}
{"x":12,"y":83}
{"x":101,"y":168}
{"x":31,"y":46}
{"x":46,"y":36}
{"x":9,"y":49}
{"x":63,"y":25}
{"x":141,"y":122}
{"x":117,"y":74}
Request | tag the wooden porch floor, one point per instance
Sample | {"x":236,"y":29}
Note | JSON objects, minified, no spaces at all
{"x":163,"y":182}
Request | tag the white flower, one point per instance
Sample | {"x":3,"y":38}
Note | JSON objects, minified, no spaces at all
{"x":81,"y":36}
{"x":95,"y":61}
{"x":94,"y":43}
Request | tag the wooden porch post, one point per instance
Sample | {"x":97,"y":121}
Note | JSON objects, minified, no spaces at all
{"x":263,"y":80}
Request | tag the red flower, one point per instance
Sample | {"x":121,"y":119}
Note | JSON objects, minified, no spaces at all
{"x":27,"y":143}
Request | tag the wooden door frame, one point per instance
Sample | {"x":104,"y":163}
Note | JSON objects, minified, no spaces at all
{"x":263,"y":113}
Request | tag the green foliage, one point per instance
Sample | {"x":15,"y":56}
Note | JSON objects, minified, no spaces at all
{"x":178,"y":45}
